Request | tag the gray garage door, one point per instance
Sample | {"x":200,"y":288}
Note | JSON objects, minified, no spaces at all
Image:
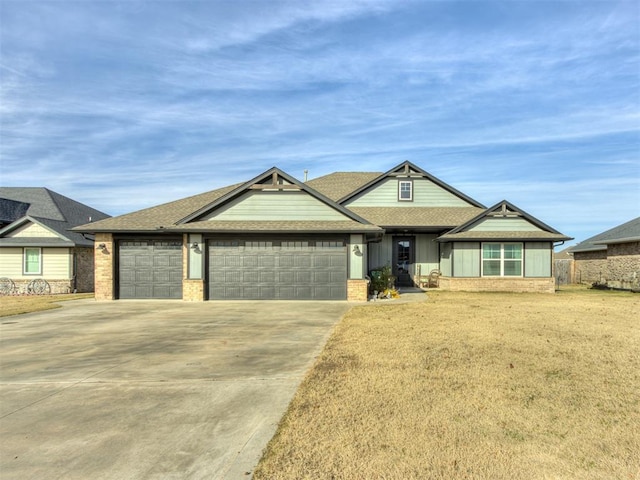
{"x":150,"y":269}
{"x":278,"y":270}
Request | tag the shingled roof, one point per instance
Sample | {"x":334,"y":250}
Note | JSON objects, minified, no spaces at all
{"x":158,"y":217}
{"x":340,"y":184}
{"x":627,"y":232}
{"x":19,"y":205}
{"x":436,"y":218}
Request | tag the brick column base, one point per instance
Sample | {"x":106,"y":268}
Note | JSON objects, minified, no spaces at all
{"x":357,"y":290}
{"x":192,"y":290}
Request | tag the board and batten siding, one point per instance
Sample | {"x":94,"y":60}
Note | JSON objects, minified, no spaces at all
{"x":427,"y":254}
{"x":537,"y":259}
{"x":57,"y":263}
{"x":425,"y":194}
{"x":445,"y":259}
{"x":504,"y":225}
{"x":380,"y":253}
{"x":466,"y":259}
{"x":274,"y":206}
{"x":32,"y":230}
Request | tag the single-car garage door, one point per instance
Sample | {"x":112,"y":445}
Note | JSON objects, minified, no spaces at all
{"x":301,"y":269}
{"x":150,"y":269}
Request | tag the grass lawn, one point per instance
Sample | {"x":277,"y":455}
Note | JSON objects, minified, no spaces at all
{"x":14,"y":305}
{"x":470,"y":385}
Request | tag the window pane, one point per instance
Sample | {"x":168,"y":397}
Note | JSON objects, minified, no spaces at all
{"x":491,"y":267}
{"x":512,"y":268}
{"x":513,"y":251}
{"x":32,"y":260}
{"x":491,"y":250}
{"x":405,"y":190}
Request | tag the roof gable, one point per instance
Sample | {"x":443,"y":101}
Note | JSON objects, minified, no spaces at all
{"x":504,"y":221}
{"x":433,"y":188}
{"x":28,"y":227}
{"x":50,"y":210}
{"x":272,"y":189}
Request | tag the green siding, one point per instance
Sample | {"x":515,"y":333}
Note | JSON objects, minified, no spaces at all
{"x":504,"y":224}
{"x":196,"y":256}
{"x":261,"y":205}
{"x":445,"y":259}
{"x":380,"y":253}
{"x":356,"y":259}
{"x":537,"y":259}
{"x":466,"y":259}
{"x":425,"y":194}
{"x":426,"y":254}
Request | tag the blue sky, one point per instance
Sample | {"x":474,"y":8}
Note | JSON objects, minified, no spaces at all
{"x":124,"y":105}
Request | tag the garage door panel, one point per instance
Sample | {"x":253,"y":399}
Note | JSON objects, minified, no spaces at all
{"x":286,"y":278}
{"x":266,"y":261}
{"x":265,"y":269}
{"x":286,"y":261}
{"x":303,"y":277}
{"x":250,"y":261}
{"x":321,"y":261}
{"x":322,"y":277}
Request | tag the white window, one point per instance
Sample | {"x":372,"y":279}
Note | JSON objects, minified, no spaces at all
{"x":32,"y":261}
{"x":405,"y":190}
{"x":502,"y":259}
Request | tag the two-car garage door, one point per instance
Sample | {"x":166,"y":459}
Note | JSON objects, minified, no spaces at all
{"x":301,"y":269}
{"x":258,"y":269}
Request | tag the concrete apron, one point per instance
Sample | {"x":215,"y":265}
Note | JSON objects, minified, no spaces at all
{"x":151,"y":389}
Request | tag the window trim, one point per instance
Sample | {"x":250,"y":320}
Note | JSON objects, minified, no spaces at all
{"x":408,"y":182}
{"x":502,"y":259}
{"x":24,"y":261}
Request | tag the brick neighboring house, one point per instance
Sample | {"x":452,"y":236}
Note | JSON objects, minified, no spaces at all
{"x":36,"y":241}
{"x":275,"y":237}
{"x":610,"y":258}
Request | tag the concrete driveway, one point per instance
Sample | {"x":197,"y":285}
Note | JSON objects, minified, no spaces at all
{"x":151,"y":389}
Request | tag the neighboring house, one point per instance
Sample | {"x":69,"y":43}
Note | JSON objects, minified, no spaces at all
{"x":275,"y":237}
{"x":36,"y":241}
{"x":610,"y":258}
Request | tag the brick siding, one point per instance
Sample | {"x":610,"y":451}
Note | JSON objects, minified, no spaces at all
{"x":623,"y":265}
{"x":103,"y":261}
{"x":357,"y":290}
{"x":498,"y":284}
{"x":84,"y":270}
{"x":590,"y":267}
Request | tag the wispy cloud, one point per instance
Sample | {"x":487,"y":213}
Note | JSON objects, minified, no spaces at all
{"x":128,"y":104}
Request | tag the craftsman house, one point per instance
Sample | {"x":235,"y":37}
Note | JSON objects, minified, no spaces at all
{"x":275,"y":237}
{"x":36,"y":241}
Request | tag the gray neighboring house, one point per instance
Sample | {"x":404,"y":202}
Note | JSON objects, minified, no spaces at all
{"x":275,"y":237}
{"x":610,"y":258}
{"x":36,"y":240}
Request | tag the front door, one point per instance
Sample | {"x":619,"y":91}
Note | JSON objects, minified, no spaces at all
{"x":403,"y":259}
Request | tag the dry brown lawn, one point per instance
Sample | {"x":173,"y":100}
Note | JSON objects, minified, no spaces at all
{"x":14,"y":305}
{"x":475,"y":386}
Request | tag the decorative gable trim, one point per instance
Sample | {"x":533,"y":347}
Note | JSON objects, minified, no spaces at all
{"x":409,"y":170}
{"x":275,"y":180}
{"x":503,"y":209}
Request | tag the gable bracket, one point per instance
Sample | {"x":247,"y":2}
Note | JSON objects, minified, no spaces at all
{"x":275,"y":184}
